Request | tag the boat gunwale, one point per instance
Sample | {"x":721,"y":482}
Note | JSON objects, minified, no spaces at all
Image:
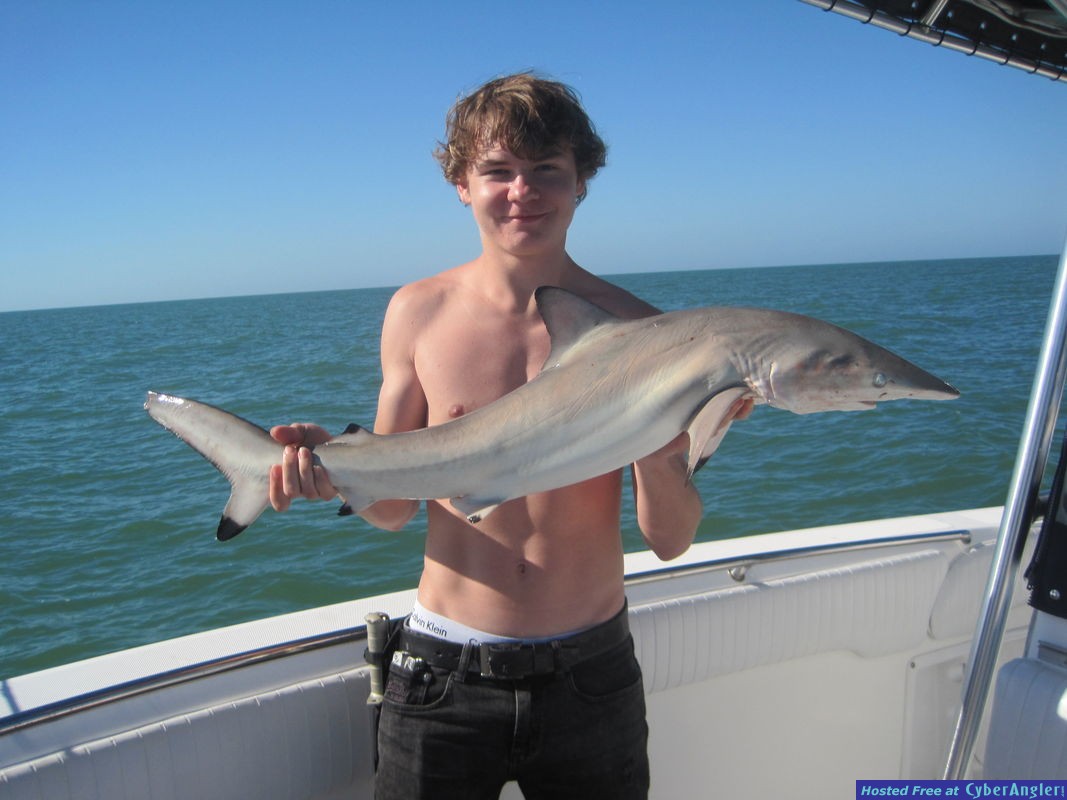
{"x":733,"y":563}
{"x":66,"y":707}
{"x":86,"y":701}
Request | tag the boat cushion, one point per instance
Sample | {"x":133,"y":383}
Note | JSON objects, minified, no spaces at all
{"x":1028,"y":728}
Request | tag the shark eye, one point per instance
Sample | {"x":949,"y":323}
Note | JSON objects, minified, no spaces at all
{"x":880,"y":380}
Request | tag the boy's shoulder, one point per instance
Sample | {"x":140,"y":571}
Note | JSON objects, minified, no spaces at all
{"x":419,"y":296}
{"x":611,"y":297}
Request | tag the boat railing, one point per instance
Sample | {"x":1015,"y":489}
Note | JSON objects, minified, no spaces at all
{"x":21,"y":720}
{"x":738,"y":566}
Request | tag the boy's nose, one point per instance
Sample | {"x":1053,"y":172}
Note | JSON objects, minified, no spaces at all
{"x":520,"y":188}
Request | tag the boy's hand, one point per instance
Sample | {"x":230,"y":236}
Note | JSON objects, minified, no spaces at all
{"x":298,"y":475}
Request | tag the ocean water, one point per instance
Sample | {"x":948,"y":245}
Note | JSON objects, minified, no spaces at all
{"x":107,"y":521}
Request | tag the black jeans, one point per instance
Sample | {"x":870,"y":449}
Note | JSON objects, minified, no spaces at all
{"x":579,"y":733}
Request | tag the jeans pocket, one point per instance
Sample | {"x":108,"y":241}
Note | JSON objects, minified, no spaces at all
{"x":424,"y":689}
{"x":608,"y":675}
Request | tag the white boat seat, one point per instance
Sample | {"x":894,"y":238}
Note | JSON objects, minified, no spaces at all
{"x":1028,"y":728}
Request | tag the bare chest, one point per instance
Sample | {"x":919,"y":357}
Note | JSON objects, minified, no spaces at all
{"x":462,"y":367}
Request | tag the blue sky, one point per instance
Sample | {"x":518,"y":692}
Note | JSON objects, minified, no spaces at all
{"x":154,"y":151}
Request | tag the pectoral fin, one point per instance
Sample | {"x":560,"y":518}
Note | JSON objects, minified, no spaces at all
{"x":475,"y":509}
{"x":710,"y":424}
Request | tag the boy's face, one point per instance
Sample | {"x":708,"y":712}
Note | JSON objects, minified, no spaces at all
{"x":522,"y":205}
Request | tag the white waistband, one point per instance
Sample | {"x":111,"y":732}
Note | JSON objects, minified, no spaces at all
{"x":432,"y":624}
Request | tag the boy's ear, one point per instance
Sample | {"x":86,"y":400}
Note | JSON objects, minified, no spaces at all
{"x":464,"y":193}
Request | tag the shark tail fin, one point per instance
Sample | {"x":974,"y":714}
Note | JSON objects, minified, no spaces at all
{"x":241,"y":451}
{"x":248,"y":499}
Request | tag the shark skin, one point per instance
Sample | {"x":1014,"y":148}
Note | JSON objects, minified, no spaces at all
{"x":611,"y":392}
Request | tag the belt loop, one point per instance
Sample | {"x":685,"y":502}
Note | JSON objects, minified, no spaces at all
{"x":557,"y":657}
{"x":483,"y":660}
{"x":464,"y":661}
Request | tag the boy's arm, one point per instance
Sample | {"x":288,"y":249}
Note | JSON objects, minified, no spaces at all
{"x":401,"y":407}
{"x":402,"y":403}
{"x":668,"y":505}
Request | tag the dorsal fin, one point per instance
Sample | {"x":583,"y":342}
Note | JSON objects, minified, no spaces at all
{"x":354,"y":433}
{"x":568,"y":318}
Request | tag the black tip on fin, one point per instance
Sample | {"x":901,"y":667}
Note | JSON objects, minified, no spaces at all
{"x":353,"y":428}
{"x":699,"y":466}
{"x":345,"y":510}
{"x":228,"y":529}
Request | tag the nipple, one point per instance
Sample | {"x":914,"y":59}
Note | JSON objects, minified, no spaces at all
{"x":456,"y":411}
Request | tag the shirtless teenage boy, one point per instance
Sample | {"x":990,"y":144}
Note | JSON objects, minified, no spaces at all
{"x":547,"y":569}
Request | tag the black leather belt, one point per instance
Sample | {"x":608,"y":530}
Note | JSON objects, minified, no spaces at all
{"x":507,"y":661}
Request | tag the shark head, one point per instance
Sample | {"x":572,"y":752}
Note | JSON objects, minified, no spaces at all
{"x":825,"y":368}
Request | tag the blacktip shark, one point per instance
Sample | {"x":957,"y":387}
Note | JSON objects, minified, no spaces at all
{"x":611,"y":392}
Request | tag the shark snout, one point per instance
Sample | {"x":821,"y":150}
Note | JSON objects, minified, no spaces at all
{"x":918,"y":384}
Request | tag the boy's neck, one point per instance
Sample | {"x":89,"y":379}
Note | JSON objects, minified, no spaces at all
{"x":512,"y":281}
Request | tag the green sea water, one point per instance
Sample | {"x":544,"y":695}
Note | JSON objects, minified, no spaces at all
{"x":107,"y":522}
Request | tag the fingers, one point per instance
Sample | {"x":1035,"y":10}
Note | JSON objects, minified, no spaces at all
{"x":298,"y":476}
{"x":300,"y":433}
{"x":279,"y":500}
{"x":305,"y":467}
{"x":314,"y":484}
{"x":287,"y":434}
{"x":298,"y":479}
{"x":291,"y":473}
{"x":323,"y":485}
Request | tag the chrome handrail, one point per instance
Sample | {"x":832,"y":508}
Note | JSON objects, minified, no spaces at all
{"x":162,"y":680}
{"x":738,"y":565}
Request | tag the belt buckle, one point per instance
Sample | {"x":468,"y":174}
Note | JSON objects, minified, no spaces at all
{"x":505,"y":661}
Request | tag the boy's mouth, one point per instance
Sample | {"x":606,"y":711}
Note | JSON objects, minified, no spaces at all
{"x":526,"y":217}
